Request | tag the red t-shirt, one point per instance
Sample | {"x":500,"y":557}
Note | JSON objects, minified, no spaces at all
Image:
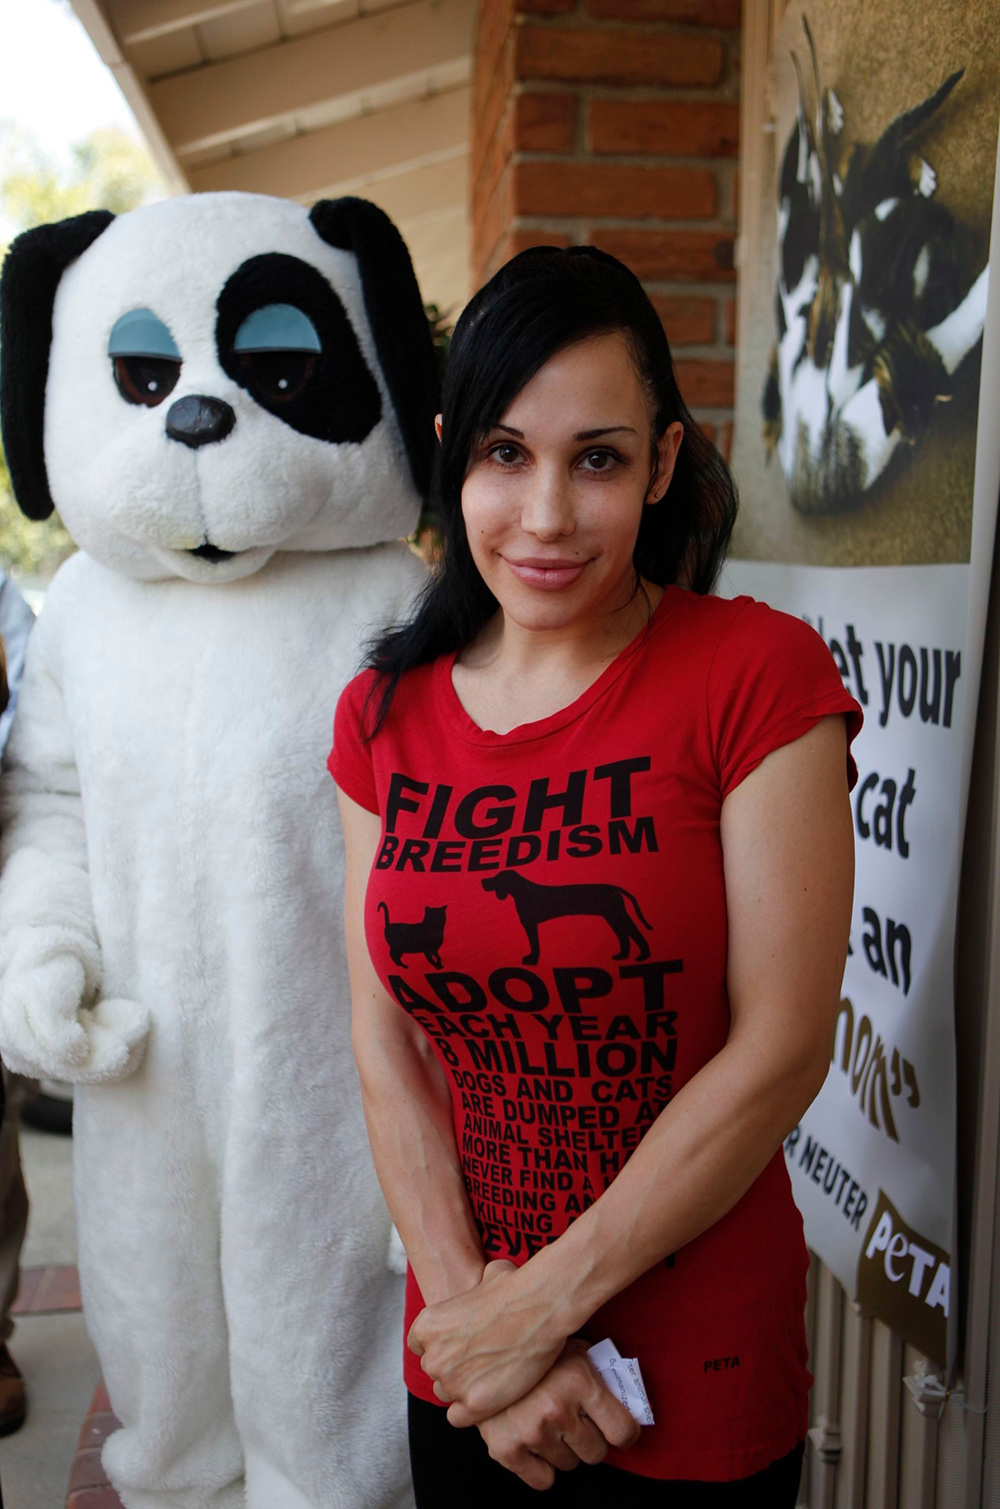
{"x":548,"y":904}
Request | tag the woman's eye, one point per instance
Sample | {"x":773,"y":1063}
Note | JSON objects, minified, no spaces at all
{"x":507,"y":455}
{"x":600,"y":461}
{"x":278,"y":376}
{"x":145,"y":380}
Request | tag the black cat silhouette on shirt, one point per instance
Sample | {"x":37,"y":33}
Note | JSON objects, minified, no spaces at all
{"x":423,"y":937}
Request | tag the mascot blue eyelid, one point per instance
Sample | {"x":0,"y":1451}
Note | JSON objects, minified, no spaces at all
{"x":171,"y":895}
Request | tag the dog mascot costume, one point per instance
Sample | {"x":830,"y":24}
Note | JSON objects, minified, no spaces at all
{"x":230,"y":400}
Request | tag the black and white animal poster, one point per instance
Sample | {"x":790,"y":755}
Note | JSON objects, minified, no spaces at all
{"x":868,"y":457}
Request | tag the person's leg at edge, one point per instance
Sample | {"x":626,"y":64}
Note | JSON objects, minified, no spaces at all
{"x":13,"y":1224}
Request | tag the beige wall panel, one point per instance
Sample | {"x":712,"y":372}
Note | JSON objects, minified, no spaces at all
{"x":140,"y":20}
{"x":884,"y":1415}
{"x":855,"y":1378}
{"x":439,"y":247}
{"x":918,"y":1444}
{"x":229,"y":98}
{"x":257,"y":26}
{"x":824,"y":1434}
{"x":952,"y":1455}
{"x":372,"y":145}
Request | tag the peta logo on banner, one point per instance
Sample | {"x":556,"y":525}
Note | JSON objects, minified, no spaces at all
{"x":905,"y":1280}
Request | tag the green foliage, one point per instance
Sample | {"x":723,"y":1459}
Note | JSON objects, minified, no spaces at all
{"x":108,"y":170}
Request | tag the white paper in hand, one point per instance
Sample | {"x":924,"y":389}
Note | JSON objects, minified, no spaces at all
{"x":622,"y":1376}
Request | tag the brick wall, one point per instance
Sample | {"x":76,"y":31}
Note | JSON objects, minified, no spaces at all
{"x":615,"y":122}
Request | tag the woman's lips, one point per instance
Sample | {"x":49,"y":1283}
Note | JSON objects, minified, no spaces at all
{"x":548,"y":574}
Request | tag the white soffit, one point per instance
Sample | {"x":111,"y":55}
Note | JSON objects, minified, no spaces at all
{"x":309,"y":99}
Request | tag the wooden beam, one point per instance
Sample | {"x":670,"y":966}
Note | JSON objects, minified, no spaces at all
{"x":222,"y":101}
{"x":96,"y":24}
{"x":419,"y":193}
{"x":370,"y":146}
{"x":143,"y":20}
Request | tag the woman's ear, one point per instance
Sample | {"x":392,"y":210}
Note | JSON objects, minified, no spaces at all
{"x":437,"y":427}
{"x":667,"y":447}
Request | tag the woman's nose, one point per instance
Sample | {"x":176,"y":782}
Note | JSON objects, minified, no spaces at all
{"x":548,"y":511}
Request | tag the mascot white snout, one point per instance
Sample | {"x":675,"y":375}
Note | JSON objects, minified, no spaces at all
{"x":230,"y":401}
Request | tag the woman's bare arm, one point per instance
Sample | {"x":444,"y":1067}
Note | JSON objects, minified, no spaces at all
{"x":789,"y":857}
{"x":406,"y":1101}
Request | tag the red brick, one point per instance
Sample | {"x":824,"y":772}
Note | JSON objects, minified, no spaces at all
{"x":672,"y":256}
{"x":599,"y":189}
{"x":522,"y":238}
{"x":58,"y":1290}
{"x":492,"y":168}
{"x":519,"y":240}
{"x":493,"y":72}
{"x":729,"y":322}
{"x":28,"y":1287}
{"x":595,"y":55}
{"x":494,"y":221}
{"x":674,"y":128}
{"x":544,"y":122}
{"x":708,"y":430}
{"x":87,"y":1471}
{"x":694,"y":12}
{"x":688,"y":322}
{"x":96,"y":1430}
{"x":546,"y":7}
{"x":94,"y":1498}
{"x":706,"y":384}
{"x":725,"y":440}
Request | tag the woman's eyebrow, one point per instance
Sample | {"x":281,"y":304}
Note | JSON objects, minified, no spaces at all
{"x":605,"y":429}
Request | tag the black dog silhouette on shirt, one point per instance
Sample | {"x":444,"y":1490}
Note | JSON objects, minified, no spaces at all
{"x":536,"y":903}
{"x":423,"y":937}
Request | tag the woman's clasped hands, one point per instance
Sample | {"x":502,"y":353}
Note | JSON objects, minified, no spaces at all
{"x":500,"y":1360}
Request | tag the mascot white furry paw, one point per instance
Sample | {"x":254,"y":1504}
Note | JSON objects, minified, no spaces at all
{"x":230,"y":400}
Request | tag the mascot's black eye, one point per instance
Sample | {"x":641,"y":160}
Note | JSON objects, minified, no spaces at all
{"x":144,"y":358}
{"x":278,"y":376}
{"x":284,"y":336}
{"x":146,"y":379}
{"x":276,"y":347}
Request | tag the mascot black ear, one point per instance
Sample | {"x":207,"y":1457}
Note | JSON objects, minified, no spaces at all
{"x":396,"y":315}
{"x":32,"y":269}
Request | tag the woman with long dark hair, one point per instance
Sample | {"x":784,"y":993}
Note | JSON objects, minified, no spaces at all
{"x":600,"y":858}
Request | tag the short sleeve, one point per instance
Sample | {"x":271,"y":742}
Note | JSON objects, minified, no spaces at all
{"x":771,"y":680}
{"x":350,"y":760}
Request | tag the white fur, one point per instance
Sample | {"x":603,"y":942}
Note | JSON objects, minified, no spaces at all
{"x":170,"y":906}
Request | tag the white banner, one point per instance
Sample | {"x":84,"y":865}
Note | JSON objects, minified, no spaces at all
{"x":873,"y":1160}
{"x":868,"y":457}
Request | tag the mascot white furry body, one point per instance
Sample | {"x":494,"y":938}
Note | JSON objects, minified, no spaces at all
{"x":170,"y":905}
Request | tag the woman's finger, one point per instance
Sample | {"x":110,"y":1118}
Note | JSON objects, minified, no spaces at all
{"x":612,"y":1419}
{"x":506,"y":1448}
{"x":586,"y":1441}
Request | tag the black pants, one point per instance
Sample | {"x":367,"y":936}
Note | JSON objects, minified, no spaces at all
{"x":453,"y":1470}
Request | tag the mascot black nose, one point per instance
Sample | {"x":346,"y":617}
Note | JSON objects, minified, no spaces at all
{"x":196,"y":420}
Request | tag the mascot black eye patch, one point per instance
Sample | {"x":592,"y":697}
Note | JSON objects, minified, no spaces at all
{"x":330,"y":394}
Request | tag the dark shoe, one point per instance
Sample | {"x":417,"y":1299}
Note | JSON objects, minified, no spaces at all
{"x":12,"y":1405}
